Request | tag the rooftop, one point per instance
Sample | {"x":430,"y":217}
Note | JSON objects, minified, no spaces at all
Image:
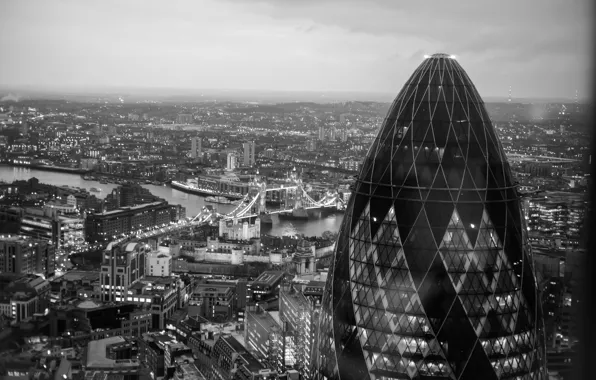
{"x":79,"y":275}
{"x":265,"y":320}
{"x":189,"y":371}
{"x":268,"y":278}
{"x":96,"y":354}
{"x":131,"y":208}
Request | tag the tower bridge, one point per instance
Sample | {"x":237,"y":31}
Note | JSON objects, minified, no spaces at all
{"x":287,"y":195}
{"x":263,"y":199}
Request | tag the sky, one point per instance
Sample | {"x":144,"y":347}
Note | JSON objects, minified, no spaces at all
{"x":541,"y":48}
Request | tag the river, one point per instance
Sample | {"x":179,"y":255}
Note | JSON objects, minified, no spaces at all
{"x":193,"y":203}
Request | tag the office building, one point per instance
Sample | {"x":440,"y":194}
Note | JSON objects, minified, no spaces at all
{"x":321,"y":133}
{"x":264,"y":337}
{"x":122,"y":265}
{"x":299,"y":316}
{"x":266,"y":286}
{"x":232,"y":161}
{"x":213,"y":301}
{"x":432,"y":275}
{"x":23,"y":297}
{"x":230,"y":360}
{"x":24,"y":255}
{"x":93,"y":319}
{"x":108,"y":225}
{"x":163,"y":295}
{"x":47,"y":224}
{"x":159,"y":264}
{"x":196,"y":151}
{"x":248,"y":149}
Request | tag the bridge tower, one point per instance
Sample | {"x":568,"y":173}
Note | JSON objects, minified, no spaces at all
{"x":295,"y":179}
{"x":258,"y":188}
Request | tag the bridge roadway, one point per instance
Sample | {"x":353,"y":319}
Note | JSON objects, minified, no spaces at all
{"x":551,"y":159}
{"x":201,"y":218}
{"x":279,"y":211}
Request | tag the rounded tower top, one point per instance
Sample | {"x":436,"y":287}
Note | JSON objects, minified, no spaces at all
{"x":434,"y":232}
{"x":440,"y":55}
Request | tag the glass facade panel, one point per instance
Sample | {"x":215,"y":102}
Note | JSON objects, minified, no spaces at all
{"x":431,"y":276}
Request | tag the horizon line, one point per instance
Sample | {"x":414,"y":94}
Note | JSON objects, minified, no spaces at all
{"x":177,"y":91}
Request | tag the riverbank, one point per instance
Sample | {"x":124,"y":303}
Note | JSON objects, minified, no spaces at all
{"x":59,"y":169}
{"x":193,"y":203}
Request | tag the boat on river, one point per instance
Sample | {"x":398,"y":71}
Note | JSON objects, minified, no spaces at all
{"x":192,"y":188}
{"x":219,"y":199}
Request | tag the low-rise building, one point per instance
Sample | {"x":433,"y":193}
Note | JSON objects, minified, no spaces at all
{"x":266,"y":286}
{"x":231,"y":360}
{"x":22,"y":297}
{"x":103,"y":357}
{"x":159,"y":264}
{"x":160,"y":295}
{"x":87,"y":320}
{"x":213,"y":301}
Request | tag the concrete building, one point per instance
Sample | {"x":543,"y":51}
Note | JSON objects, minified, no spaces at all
{"x":159,"y":264}
{"x":23,"y":296}
{"x":264,"y":337}
{"x":122,"y":265}
{"x":152,"y":349}
{"x":231,"y":360}
{"x":232,"y":163}
{"x":266,"y":286}
{"x":249,"y":154}
{"x":86,"y":320}
{"x":24,"y":255}
{"x":106,"y":226}
{"x":321,"y":133}
{"x":163,"y":295}
{"x":196,"y":149}
{"x":299,"y":315}
{"x":102,"y":358}
{"x":213,"y":301}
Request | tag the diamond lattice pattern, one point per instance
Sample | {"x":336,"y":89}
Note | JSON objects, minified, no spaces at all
{"x":432,"y":275}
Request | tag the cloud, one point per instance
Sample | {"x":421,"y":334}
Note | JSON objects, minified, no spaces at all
{"x":371,"y":45}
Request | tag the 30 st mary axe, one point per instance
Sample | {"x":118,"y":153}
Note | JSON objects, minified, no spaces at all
{"x":432,"y":275}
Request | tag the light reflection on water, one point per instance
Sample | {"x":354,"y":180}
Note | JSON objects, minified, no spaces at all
{"x":315,"y":226}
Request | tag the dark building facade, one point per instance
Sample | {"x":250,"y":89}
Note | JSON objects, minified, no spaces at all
{"x":432,"y":276}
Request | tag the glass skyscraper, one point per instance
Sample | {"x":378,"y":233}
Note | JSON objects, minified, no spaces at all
{"x":432,"y":275}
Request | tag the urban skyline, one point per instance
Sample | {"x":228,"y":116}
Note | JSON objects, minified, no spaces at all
{"x":232,"y":189}
{"x":293,"y":46}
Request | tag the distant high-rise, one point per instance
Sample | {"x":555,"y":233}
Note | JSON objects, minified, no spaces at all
{"x":249,"y":153}
{"x":432,"y":275}
{"x":195,"y":147}
{"x":321,"y":133}
{"x":509,"y":100}
{"x":184,"y":118}
{"x":232,"y":161}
